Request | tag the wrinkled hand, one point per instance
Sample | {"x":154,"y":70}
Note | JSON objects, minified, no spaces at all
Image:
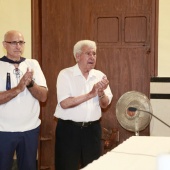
{"x":98,"y":88}
{"x":95,"y":89}
{"x":103,"y":85}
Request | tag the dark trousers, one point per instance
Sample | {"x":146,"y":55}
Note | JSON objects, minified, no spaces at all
{"x":24,"y":143}
{"x":76,"y":146}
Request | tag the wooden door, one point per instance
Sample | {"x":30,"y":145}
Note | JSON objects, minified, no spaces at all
{"x":126,"y":35}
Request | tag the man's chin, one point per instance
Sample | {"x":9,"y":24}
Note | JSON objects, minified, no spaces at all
{"x":91,"y":67}
{"x":17,"y":56}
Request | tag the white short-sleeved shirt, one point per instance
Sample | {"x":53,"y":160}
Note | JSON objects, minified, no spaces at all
{"x":70,"y":83}
{"x":22,"y":112}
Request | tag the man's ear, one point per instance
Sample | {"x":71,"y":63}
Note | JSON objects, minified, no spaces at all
{"x":4,"y":44}
{"x":77,"y":57}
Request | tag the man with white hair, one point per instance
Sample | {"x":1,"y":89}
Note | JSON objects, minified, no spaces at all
{"x":81,"y":92}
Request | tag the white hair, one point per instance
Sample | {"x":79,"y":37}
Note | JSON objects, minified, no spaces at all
{"x":78,"y":46}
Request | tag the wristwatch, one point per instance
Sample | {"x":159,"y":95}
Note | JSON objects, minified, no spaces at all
{"x":31,"y":84}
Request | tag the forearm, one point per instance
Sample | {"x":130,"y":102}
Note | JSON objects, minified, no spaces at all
{"x":104,"y":101}
{"x":39,"y":92}
{"x":6,"y":96}
{"x":75,"y":101}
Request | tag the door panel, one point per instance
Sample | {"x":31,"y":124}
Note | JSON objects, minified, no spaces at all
{"x":128,"y":71}
{"x":125,"y":34}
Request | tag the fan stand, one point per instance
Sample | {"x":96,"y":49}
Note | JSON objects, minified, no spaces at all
{"x":136,"y":126}
{"x":137,"y":133}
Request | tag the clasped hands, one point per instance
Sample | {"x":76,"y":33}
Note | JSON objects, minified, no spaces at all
{"x":99,"y":87}
{"x":26,"y":79}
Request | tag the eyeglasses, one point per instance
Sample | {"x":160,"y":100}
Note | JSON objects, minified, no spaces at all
{"x":89,"y":53}
{"x":15,"y":43}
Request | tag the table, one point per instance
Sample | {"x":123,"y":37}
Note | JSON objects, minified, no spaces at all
{"x":136,"y":153}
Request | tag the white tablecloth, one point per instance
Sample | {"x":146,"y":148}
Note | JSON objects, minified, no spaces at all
{"x":136,"y":153}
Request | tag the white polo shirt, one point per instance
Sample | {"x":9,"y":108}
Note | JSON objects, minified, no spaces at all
{"x":71,"y":83}
{"x":22,"y":112}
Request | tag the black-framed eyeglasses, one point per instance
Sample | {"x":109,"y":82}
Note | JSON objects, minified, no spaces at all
{"x":15,"y":43}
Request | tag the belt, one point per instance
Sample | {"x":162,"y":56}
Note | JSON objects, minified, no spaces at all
{"x":81,"y":124}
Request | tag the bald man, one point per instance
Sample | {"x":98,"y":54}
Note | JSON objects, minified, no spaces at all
{"x":22,"y":86}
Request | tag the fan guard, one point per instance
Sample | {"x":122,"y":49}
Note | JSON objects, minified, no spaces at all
{"x":141,"y":118}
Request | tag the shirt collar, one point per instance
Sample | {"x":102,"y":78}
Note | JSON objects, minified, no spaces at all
{"x":77,"y":72}
{"x":5,"y":59}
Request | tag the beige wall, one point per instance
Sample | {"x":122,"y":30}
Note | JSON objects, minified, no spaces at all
{"x":16,"y":15}
{"x":161,"y":107}
{"x":164,"y":39}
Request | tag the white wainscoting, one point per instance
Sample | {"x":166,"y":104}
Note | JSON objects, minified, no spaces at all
{"x":161,"y":108}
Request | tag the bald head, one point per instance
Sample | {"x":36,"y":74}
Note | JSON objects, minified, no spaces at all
{"x":11,"y":34}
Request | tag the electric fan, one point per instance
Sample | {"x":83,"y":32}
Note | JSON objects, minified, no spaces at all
{"x":132,"y":111}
